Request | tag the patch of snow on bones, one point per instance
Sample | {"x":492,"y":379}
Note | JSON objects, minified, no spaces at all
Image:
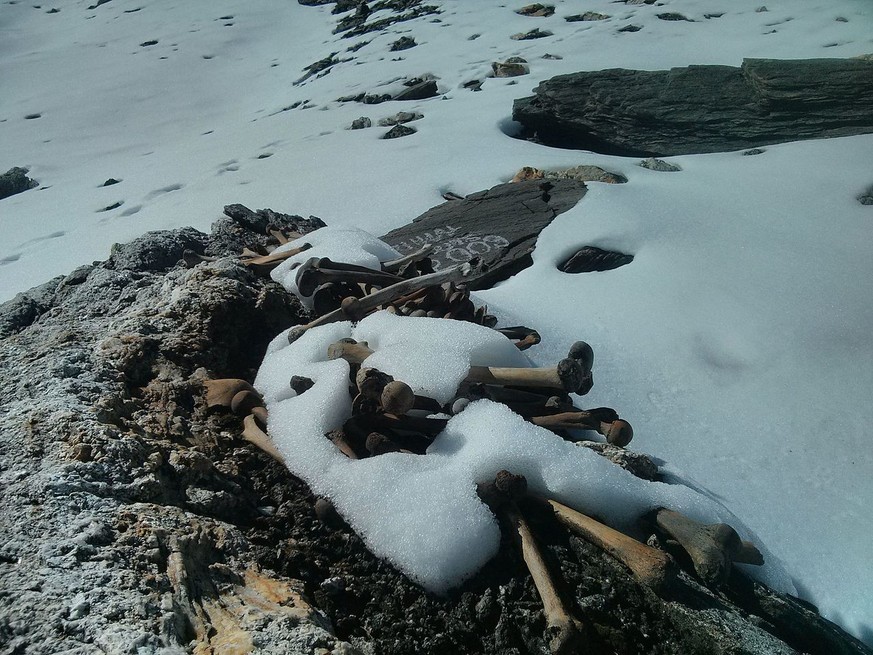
{"x":422,"y":512}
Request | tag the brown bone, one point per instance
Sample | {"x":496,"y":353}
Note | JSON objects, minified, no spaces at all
{"x":617,"y":432}
{"x":254,"y":435}
{"x":565,"y":630}
{"x":356,"y":309}
{"x":712,"y":548}
{"x":565,"y":376}
{"x":316,"y":271}
{"x":220,"y":393}
{"x":526,"y":337}
{"x":396,"y":264}
{"x":650,"y":566}
{"x":266,"y":263}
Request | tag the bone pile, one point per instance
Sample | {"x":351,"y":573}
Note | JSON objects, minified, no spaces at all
{"x":388,"y":416}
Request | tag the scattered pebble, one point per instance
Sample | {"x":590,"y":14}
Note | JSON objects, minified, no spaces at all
{"x":535,"y":33}
{"x":403,"y":43}
{"x":536,"y":9}
{"x":659,"y":165}
{"x":512,"y":67}
{"x":587,"y":16}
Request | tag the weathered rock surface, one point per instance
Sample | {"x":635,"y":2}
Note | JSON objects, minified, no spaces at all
{"x":701,"y":109}
{"x":498,"y":226}
{"x":14,"y":181}
{"x":137,"y":520}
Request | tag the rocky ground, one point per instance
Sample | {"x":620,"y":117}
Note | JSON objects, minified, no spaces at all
{"x":138,"y":521}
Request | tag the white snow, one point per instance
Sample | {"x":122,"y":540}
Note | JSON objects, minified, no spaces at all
{"x":422,"y":512}
{"x":738,"y":342}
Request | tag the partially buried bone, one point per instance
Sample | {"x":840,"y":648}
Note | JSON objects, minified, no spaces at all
{"x":567,"y":375}
{"x":356,"y":309}
{"x":565,"y":631}
{"x":712,"y":548}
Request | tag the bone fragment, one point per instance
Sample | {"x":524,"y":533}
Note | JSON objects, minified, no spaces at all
{"x":245,"y":401}
{"x":525,"y":337}
{"x":397,"y":398}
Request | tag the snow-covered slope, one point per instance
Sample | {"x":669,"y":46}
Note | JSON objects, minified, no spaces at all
{"x":737,"y":342}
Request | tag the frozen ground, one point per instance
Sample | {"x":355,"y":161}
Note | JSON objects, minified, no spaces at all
{"x":737,"y":342}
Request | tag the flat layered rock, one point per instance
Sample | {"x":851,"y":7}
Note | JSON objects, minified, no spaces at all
{"x":498,"y":226}
{"x":699,"y":109}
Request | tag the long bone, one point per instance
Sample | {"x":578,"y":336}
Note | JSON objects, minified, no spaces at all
{"x":256,"y":436}
{"x":396,"y":264}
{"x":566,"y":375}
{"x":266,"y":263}
{"x":355,"y":309}
{"x":618,"y":432}
{"x":712,"y":548}
{"x":566,"y":630}
{"x":316,"y":271}
{"x":526,"y":337}
{"x":650,"y":566}
{"x":524,"y":403}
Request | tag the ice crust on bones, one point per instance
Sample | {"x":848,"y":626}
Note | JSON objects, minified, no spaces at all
{"x":349,"y":245}
{"x":421,"y":512}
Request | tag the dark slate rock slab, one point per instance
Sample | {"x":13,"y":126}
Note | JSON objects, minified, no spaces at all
{"x":701,"y":109}
{"x":590,"y":259}
{"x":499,"y":226}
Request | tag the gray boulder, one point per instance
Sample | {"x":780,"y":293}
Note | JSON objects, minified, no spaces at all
{"x":14,"y":181}
{"x":701,"y":109}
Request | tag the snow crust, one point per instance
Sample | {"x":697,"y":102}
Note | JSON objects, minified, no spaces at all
{"x":738,"y":342}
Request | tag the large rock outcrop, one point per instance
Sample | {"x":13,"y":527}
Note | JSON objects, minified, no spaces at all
{"x":701,"y":109}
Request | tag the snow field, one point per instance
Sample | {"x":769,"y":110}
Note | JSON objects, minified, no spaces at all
{"x":738,"y":340}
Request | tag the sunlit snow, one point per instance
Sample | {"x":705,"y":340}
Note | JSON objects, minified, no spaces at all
{"x":738,"y":342}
